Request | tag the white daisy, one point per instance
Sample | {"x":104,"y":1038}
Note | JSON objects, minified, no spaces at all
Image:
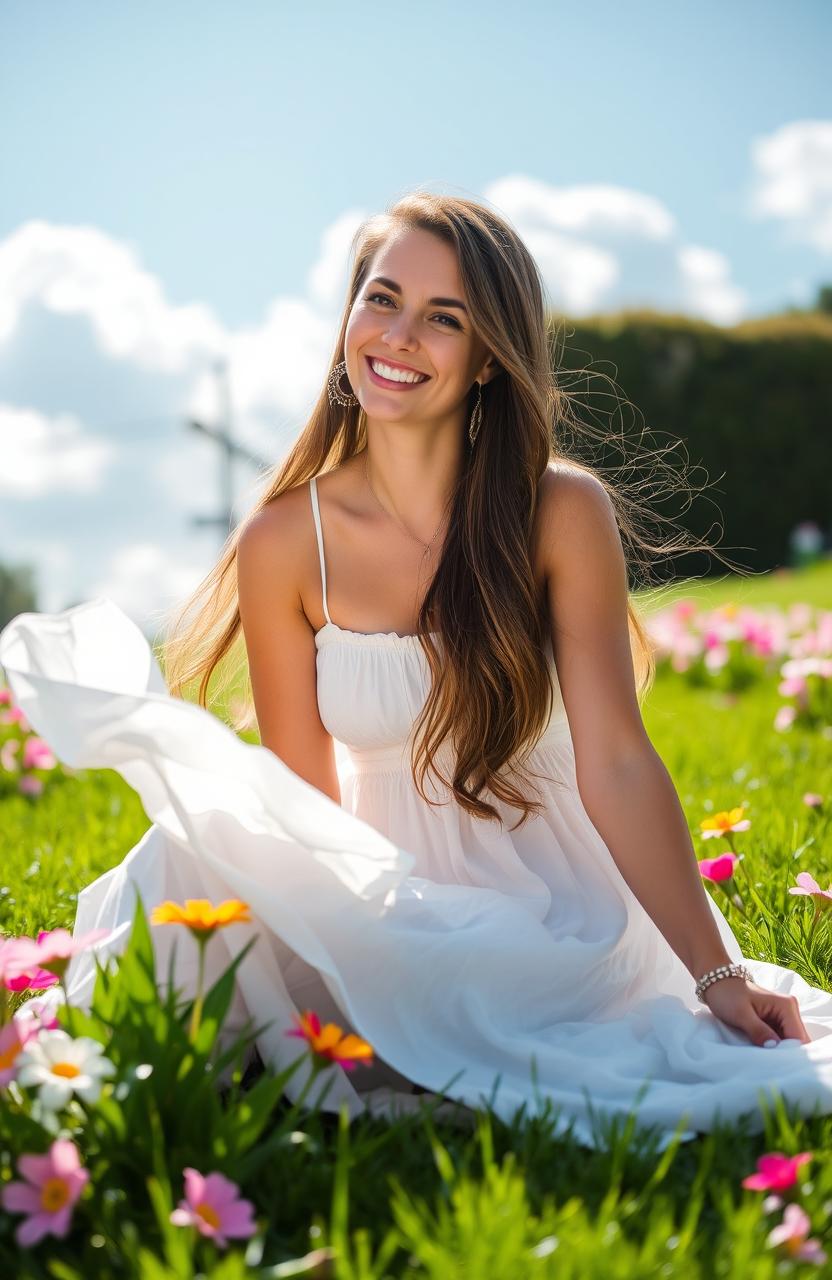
{"x":60,"y":1066}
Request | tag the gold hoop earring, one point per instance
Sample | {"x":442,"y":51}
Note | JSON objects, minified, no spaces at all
{"x":476,"y":416}
{"x":336,"y":395}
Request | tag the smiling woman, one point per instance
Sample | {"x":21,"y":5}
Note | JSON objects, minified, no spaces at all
{"x":444,"y":835}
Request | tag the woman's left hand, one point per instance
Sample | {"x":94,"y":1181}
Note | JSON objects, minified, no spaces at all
{"x":761,"y":1014}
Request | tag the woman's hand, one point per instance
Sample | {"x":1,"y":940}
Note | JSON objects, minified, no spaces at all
{"x":761,"y":1014}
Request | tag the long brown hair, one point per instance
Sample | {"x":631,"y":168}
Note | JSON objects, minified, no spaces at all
{"x":490,"y":693}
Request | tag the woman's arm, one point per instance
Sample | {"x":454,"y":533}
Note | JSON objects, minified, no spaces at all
{"x":624,"y":786}
{"x":280,"y":643}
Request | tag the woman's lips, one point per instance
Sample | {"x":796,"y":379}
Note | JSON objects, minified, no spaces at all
{"x":393,"y":386}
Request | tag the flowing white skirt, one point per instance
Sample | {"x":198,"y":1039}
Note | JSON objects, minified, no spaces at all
{"x":459,"y":988}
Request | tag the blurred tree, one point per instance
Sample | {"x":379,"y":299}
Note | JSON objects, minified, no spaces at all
{"x":17,"y":591}
{"x":824,"y":300}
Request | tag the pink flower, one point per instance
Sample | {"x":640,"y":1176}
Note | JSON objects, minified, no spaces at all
{"x":720,"y":868}
{"x":54,"y":949}
{"x":792,"y":1236}
{"x":812,"y":799}
{"x":30,"y":785}
{"x":40,"y":1011}
{"x":37,"y":754}
{"x":8,"y":755}
{"x":776,"y":1172}
{"x":53,"y":1183}
{"x":785,"y":718}
{"x":211,"y":1205}
{"x":810,"y":888}
{"x":5,"y":697}
{"x":15,"y":715}
{"x":19,"y":970}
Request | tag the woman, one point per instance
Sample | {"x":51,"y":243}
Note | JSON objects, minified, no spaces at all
{"x":454,"y":857}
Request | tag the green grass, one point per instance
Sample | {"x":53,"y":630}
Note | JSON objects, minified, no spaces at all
{"x":510,"y":1200}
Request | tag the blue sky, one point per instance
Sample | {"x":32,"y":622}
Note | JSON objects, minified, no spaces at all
{"x":182,"y":178}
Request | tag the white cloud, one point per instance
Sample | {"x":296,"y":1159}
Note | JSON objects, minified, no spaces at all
{"x":708,"y":290}
{"x":603,"y":247}
{"x":145,"y":580}
{"x":85,"y":272}
{"x":592,"y":209}
{"x":42,"y":455}
{"x":327,"y":280}
{"x":793,"y":180}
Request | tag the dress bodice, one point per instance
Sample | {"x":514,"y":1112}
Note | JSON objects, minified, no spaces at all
{"x":372,"y":685}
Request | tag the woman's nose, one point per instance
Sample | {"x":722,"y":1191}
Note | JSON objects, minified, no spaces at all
{"x":400,"y":332}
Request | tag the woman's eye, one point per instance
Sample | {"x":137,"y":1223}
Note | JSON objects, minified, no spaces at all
{"x":372,"y":297}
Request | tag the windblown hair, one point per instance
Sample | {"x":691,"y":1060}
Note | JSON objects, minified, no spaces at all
{"x":490,"y":693}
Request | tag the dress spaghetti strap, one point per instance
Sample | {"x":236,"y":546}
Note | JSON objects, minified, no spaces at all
{"x":313,"y":489}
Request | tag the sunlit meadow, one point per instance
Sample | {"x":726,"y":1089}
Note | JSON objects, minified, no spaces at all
{"x":124,"y":1151}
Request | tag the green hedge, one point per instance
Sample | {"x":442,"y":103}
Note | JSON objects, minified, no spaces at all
{"x":751,"y":404}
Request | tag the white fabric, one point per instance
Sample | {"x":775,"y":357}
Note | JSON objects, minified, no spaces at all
{"x":489,"y":965}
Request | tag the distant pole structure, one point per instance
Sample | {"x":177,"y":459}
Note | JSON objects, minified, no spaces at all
{"x":228,"y":450}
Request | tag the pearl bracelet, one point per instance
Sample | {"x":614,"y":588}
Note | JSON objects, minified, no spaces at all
{"x":721,"y":971}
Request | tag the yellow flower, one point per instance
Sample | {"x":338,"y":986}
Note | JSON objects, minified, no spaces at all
{"x":721,"y":823}
{"x":200,"y":915}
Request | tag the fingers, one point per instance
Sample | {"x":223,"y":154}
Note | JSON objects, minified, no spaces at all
{"x":793,"y":1027}
{"x":758,"y":1031}
{"x":782,"y":1013}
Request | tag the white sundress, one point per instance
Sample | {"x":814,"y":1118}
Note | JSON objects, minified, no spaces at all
{"x":508,"y":968}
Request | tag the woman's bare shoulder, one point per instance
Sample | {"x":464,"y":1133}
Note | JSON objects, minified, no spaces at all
{"x":277,"y":533}
{"x":569,"y":496}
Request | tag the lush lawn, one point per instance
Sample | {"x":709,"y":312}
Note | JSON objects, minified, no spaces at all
{"x":510,"y":1201}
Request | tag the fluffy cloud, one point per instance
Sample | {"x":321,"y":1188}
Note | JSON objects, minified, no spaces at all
{"x":602,"y":247}
{"x":146,"y":581}
{"x":43,"y":456}
{"x":793,"y":180}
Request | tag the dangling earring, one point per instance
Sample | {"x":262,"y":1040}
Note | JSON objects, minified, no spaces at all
{"x":336,"y":395}
{"x":476,"y":416}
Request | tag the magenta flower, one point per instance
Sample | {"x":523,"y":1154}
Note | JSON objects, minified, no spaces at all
{"x":810,"y":888}
{"x":54,"y":948}
{"x":19,"y":970}
{"x":792,"y":1233}
{"x":211,"y":1204}
{"x":775,"y":1171}
{"x":720,"y":868}
{"x":53,"y":1183}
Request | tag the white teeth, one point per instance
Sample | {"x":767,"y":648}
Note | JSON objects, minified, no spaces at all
{"x":395,"y":375}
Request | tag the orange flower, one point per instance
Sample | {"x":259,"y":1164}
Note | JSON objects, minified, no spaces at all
{"x":329,"y":1043}
{"x":200,"y":915}
{"x":721,"y":823}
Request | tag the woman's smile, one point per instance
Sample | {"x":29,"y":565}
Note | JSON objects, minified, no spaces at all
{"x":389,"y":383}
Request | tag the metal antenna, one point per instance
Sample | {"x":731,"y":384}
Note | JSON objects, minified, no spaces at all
{"x":229,"y":449}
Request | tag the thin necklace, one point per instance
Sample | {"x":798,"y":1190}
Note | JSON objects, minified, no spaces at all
{"x":427,"y":545}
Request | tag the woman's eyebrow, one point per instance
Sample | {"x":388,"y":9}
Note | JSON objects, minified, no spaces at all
{"x":433,"y":302}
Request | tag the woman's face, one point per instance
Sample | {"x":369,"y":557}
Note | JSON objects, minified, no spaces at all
{"x":411,"y":320}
